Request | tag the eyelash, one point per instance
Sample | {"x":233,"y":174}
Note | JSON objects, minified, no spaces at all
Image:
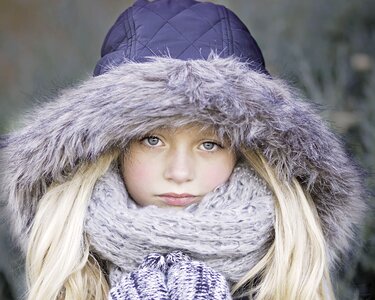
{"x":215,"y":144}
{"x":144,"y":141}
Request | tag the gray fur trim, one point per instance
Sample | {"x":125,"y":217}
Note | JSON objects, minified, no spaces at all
{"x":107,"y":111}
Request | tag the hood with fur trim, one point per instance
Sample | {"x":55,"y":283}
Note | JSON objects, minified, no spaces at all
{"x":106,"y":112}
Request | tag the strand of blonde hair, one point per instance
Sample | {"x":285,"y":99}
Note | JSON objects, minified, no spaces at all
{"x":58,"y":262}
{"x":295,"y":266}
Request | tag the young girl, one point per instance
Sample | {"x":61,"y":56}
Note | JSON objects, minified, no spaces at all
{"x":181,"y":170}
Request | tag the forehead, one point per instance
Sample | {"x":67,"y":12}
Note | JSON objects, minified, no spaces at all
{"x":193,"y":129}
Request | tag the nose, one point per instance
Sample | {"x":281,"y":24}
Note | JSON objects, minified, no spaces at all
{"x":180,"y":166}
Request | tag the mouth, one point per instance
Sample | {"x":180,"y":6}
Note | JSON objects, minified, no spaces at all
{"x":173,"y":199}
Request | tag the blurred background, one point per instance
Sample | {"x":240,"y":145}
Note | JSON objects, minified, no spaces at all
{"x":326,"y":48}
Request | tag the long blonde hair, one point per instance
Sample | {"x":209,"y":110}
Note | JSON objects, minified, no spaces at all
{"x":58,"y":261}
{"x":59,"y":264}
{"x":296,"y":265}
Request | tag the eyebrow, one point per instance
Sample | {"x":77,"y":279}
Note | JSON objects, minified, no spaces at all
{"x":172,"y":130}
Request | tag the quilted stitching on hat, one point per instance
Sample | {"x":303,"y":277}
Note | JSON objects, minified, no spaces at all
{"x":211,"y":27}
{"x":203,"y":18}
{"x":197,"y":40}
{"x":228,"y":31}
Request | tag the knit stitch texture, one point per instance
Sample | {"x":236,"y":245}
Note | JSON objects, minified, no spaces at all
{"x":174,"y":277}
{"x":228,"y":230}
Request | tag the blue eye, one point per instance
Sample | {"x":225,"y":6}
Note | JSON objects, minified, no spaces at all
{"x":209,"y":146}
{"x":151,"y":140}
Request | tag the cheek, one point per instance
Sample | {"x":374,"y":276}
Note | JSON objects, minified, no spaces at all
{"x":136,"y":165}
{"x":135,"y":170}
{"x":215,"y":176}
{"x":216,"y":173}
{"x":138,"y":176}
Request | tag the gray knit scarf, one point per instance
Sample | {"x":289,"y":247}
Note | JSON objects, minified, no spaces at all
{"x":228,"y":230}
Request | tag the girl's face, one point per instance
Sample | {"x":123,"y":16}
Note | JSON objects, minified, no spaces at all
{"x":176,"y":167}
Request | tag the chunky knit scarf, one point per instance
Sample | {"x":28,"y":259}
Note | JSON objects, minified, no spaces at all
{"x":228,"y":230}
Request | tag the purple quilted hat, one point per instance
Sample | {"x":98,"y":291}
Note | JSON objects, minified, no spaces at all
{"x":183,"y":29}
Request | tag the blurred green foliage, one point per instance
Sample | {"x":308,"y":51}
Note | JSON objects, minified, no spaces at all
{"x":324,"y":47}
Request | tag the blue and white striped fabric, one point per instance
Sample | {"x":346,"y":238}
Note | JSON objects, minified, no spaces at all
{"x":174,"y":277}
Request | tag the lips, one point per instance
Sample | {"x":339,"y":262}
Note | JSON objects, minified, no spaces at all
{"x":178,"y":199}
